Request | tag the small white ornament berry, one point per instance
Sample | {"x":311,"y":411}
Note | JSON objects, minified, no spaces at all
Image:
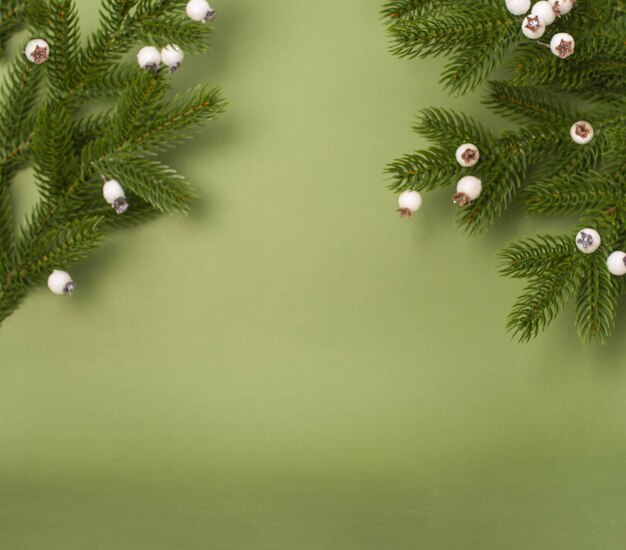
{"x":467,"y":155}
{"x":37,"y":51}
{"x":581,"y":132}
{"x":518,"y":7}
{"x":562,"y":7}
{"x":113,"y":193}
{"x":533,"y":27}
{"x":588,"y":240}
{"x":544,"y":11}
{"x":149,"y":58}
{"x":172,"y":56}
{"x":616,"y":263}
{"x":409,"y":202}
{"x":61,"y":283}
{"x":562,"y":44}
{"x":200,"y":10}
{"x":467,"y":190}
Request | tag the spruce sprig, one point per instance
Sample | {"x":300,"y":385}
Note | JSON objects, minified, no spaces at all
{"x":43,"y":123}
{"x":537,"y":164}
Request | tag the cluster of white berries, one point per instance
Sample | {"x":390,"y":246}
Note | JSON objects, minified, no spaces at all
{"x":588,"y":241}
{"x":468,"y":188}
{"x":172,"y":55}
{"x":150,"y":57}
{"x":542,"y":15}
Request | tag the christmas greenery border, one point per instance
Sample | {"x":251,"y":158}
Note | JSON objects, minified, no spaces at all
{"x":567,"y":95}
{"x":99,"y":172}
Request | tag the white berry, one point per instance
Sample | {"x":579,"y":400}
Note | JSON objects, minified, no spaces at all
{"x":467,"y":190}
{"x":545,"y":12}
{"x":533,"y":27}
{"x":581,"y":132}
{"x":562,"y":7}
{"x":588,"y":240}
{"x":61,"y":283}
{"x":113,"y":193}
{"x":149,"y":58}
{"x":172,"y":56}
{"x":562,"y":44}
{"x":409,"y":202}
{"x":37,"y":51}
{"x":200,"y":10}
{"x":616,"y":263}
{"x":518,"y":7}
{"x":467,"y":155}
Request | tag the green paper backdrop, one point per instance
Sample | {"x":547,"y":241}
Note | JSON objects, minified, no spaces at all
{"x":294,"y":366}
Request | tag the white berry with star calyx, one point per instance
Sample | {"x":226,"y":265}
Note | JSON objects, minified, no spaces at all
{"x":60,"y":283}
{"x":518,"y":7}
{"x":562,"y":7}
{"x":562,"y":45}
{"x":533,"y":27}
{"x":172,"y":56}
{"x":467,"y":155}
{"x":114,"y":194}
{"x":409,"y":202}
{"x":467,"y":190}
{"x":37,"y":51}
{"x":588,"y":240}
{"x":581,"y":132}
{"x":200,"y":10}
{"x":544,"y":11}
{"x":616,"y":263}
{"x":149,"y":58}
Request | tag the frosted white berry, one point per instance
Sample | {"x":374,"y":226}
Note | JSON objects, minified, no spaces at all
{"x":467,"y":190}
{"x":149,"y":58}
{"x":544,"y":11}
{"x":562,"y":7}
{"x":172,"y":56}
{"x":616,"y":263}
{"x":200,"y":10}
{"x":533,"y":27}
{"x":113,"y":193}
{"x":581,"y":132}
{"x":61,"y":283}
{"x":37,"y":51}
{"x":562,"y":45}
{"x":588,"y":240}
{"x":518,"y":7}
{"x":409,"y":202}
{"x":467,"y":155}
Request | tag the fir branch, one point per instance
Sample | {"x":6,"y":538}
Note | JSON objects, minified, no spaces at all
{"x":424,"y":170}
{"x":531,"y":257}
{"x":574,"y":193}
{"x":543,"y":298}
{"x":596,"y":300}
{"x":64,"y":38}
{"x":540,"y":160}
{"x":396,"y":10}
{"x":53,"y":150}
{"x":524,"y":103}
{"x":155,"y":183}
{"x":450,"y":129}
{"x":71,"y":151}
{"x":170,"y":125}
{"x":59,"y":247}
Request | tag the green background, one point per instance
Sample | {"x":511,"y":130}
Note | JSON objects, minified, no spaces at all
{"x":294,"y":366}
